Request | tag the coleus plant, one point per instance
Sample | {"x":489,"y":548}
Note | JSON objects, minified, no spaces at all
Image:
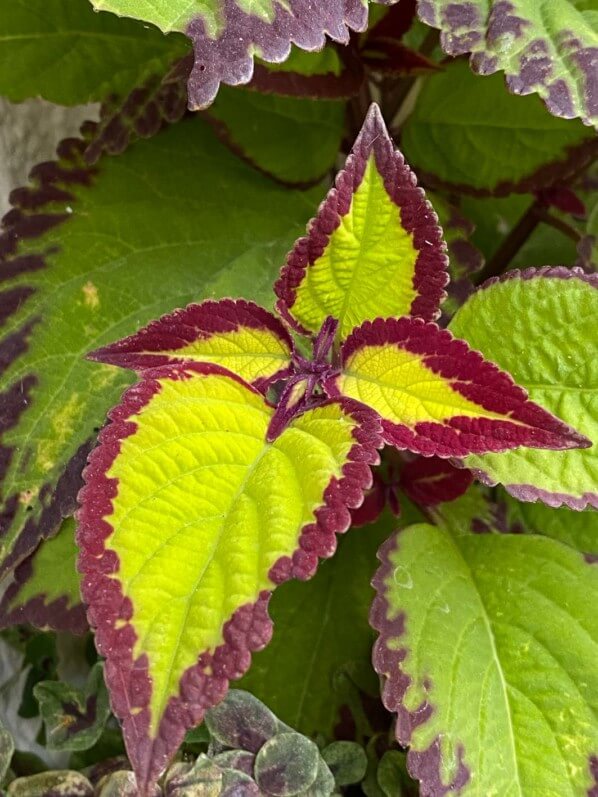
{"x":233,"y":463}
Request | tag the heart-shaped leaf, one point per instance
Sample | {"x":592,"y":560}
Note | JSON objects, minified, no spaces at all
{"x":189,"y":519}
{"x":491,"y":695}
{"x":540,"y":325}
{"x":436,"y":396}
{"x":374,"y":249}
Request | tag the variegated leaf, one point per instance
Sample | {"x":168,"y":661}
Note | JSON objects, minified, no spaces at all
{"x":487,"y":652}
{"x":374,"y":249}
{"x":544,"y":47}
{"x":540,"y":324}
{"x":226,"y":34}
{"x":44,"y":590}
{"x":189,"y":519}
{"x":436,"y":396}
{"x":238,"y":335}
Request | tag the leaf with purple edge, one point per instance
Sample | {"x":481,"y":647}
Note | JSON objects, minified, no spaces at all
{"x":436,"y":396}
{"x":546,"y":48}
{"x":238,"y":335}
{"x":189,"y":520}
{"x":512,"y":143}
{"x":374,"y":249}
{"x":490,"y":695}
{"x":44,"y":591}
{"x":540,"y":324}
{"x":226,"y":34}
{"x":89,"y":254}
{"x":429,"y":481}
{"x":74,"y":719}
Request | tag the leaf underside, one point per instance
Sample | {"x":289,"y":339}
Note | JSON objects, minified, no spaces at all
{"x":490,"y":694}
{"x":547,"y":48}
{"x":374,"y":249}
{"x":88,"y":255}
{"x":189,"y":519}
{"x":540,"y":325}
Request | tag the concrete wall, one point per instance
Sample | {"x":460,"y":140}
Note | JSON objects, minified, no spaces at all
{"x":29,"y":133}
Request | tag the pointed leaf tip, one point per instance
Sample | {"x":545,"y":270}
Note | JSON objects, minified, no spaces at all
{"x":182,"y":485}
{"x":374,"y":249}
{"x":235,"y":334}
{"x":436,"y":396}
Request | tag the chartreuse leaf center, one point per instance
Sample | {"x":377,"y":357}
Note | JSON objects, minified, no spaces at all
{"x":190,"y":518}
{"x":375,"y":248}
{"x":205,"y":508}
{"x":367,"y":268}
{"x":397,"y":385}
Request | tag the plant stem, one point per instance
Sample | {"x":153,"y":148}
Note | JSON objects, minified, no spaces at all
{"x":560,"y":225}
{"x":505,"y":253}
{"x":399,"y":90}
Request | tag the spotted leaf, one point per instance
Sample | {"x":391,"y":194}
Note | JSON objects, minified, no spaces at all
{"x":238,"y":335}
{"x":44,"y":590}
{"x":437,"y":396}
{"x":226,"y":34}
{"x":490,"y":695}
{"x":544,"y":47}
{"x":374,"y":249}
{"x":543,"y":330}
{"x":189,"y":519}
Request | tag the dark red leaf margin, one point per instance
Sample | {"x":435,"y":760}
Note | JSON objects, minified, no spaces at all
{"x":477,"y":379}
{"x":417,"y":217}
{"x":156,"y":344}
{"x":250,"y":627}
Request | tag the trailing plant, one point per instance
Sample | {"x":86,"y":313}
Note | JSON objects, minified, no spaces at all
{"x":413,"y":378}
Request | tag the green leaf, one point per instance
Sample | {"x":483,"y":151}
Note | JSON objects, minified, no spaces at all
{"x":540,"y":326}
{"x":86,"y":253}
{"x":294,"y":140}
{"x":322,"y":641}
{"x":347,"y":761}
{"x":286,"y":765}
{"x":45,"y":587}
{"x":189,"y":519}
{"x":471,"y":135}
{"x":488,"y":648}
{"x":227,"y":35}
{"x":577,"y":529}
{"x":546,"y":48}
{"x":74,"y":718}
{"x":61,"y":51}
